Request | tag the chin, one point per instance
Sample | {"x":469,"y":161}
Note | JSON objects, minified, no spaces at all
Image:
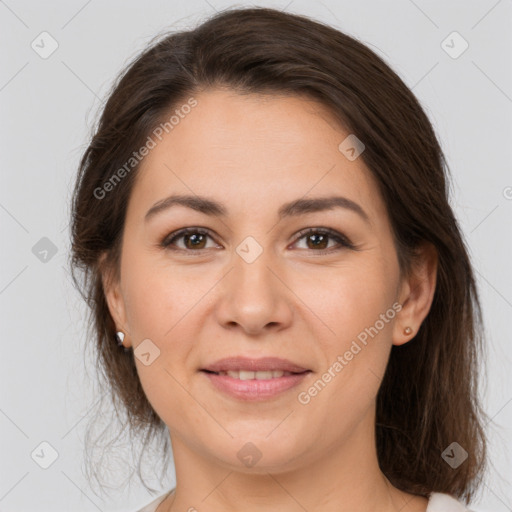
{"x":260,"y":453}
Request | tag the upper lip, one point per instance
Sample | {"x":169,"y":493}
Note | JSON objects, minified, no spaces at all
{"x":254,"y":365}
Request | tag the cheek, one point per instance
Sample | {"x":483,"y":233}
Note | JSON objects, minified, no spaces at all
{"x":354,"y":358}
{"x":357,"y":309}
{"x":159,"y":298}
{"x":345,"y":300}
{"x":158,"y":307}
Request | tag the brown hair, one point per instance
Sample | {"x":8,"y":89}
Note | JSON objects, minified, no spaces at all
{"x":428,"y":397}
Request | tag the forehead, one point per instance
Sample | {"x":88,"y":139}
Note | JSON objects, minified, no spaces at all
{"x":252,"y":150}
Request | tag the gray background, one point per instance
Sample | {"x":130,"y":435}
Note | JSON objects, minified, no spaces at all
{"x":48,"y":106}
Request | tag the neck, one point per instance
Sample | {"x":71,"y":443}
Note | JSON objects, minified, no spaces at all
{"x":342,"y":478}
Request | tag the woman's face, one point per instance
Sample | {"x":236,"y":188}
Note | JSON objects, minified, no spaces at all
{"x":257,"y":285}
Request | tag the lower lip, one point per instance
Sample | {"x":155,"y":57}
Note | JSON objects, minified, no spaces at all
{"x":253,"y":389}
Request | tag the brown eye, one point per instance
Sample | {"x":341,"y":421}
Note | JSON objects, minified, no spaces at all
{"x":318,"y":240}
{"x":193,"y":239}
{"x":196,"y":241}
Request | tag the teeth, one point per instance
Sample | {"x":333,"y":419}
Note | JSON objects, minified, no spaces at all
{"x":261,"y":375}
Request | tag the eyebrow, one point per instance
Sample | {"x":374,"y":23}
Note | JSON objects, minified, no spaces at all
{"x":294,"y":208}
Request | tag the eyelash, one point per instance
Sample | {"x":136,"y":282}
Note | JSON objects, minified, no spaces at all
{"x":342,"y":240}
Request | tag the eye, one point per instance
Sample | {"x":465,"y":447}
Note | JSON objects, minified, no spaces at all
{"x":193,"y":238}
{"x":318,"y":239}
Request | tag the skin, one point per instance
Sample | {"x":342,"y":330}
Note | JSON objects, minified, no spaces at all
{"x":253,"y":153}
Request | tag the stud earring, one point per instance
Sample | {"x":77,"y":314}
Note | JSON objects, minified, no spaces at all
{"x":120,"y":337}
{"x":407,"y":330}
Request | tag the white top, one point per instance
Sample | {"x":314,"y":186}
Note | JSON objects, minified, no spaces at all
{"x":438,"y":502}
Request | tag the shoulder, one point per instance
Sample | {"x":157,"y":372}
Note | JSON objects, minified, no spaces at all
{"x":151,"y":507}
{"x":440,"y":502}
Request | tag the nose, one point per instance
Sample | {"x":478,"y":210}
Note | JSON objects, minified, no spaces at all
{"x":254,"y":297}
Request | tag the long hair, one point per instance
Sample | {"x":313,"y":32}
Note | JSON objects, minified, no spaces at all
{"x":429,"y":396}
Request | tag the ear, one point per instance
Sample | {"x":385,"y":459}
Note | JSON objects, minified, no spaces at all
{"x":114,"y":297}
{"x":416,"y":293}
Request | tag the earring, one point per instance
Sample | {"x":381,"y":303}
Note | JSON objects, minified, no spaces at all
{"x":407,"y":330}
{"x":120,"y":337}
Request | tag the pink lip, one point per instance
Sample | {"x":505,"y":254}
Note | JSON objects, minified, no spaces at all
{"x":253,"y":389}
{"x":254,"y":365}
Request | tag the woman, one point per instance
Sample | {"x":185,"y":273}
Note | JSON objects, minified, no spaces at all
{"x":262,"y":219}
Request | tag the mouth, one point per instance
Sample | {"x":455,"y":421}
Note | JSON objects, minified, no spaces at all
{"x":248,"y":365}
{"x":247,"y":386}
{"x":254,"y":379}
{"x":258,"y":375}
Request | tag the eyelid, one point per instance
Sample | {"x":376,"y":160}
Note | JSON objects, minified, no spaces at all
{"x":166,"y":243}
{"x":341,"y":239}
{"x":333,"y":234}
